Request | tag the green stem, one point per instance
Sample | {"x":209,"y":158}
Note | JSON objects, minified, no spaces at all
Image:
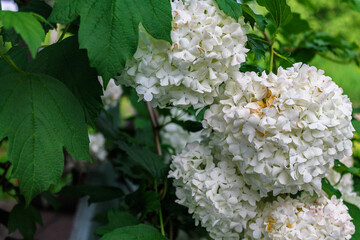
{"x":165,"y":189}
{"x":272,"y":52}
{"x":283,"y":57}
{"x":271,"y":58}
{"x":64,"y":32}
{"x":11,"y":63}
{"x":161,"y":223}
{"x":160,"y":211}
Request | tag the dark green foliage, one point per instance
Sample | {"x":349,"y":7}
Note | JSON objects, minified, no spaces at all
{"x":354,"y":212}
{"x":116,"y":219}
{"x":231,"y":8}
{"x":95,"y":193}
{"x":329,"y":189}
{"x":48,"y":121}
{"x":27,"y":25}
{"x":119,"y":30}
{"x":151,"y":163}
{"x":137,"y":232}
{"x":19,"y":54}
{"x":24,"y":219}
{"x":279,"y":10}
{"x":70,"y":65}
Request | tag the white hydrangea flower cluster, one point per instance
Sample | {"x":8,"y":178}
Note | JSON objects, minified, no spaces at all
{"x":283,"y":130}
{"x":111,"y":95}
{"x":302,"y":218}
{"x":214,"y":191}
{"x":207,"y":44}
{"x":174,"y":135}
{"x":345,"y":184}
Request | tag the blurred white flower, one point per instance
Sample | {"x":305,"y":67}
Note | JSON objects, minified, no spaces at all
{"x":97,"y":146}
{"x":206,"y":44}
{"x":283,"y":130}
{"x":111,"y":95}
{"x":304,"y":218}
{"x":209,"y":184}
{"x":174,"y":135}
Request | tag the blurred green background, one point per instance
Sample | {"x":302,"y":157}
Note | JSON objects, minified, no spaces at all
{"x":336,"y":17}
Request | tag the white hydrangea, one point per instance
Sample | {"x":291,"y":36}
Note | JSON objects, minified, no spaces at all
{"x":174,"y":135}
{"x":206,"y":44}
{"x":345,"y":184}
{"x":214,"y":191}
{"x":111,"y":95}
{"x":305,"y":218}
{"x":283,"y":130}
{"x":97,"y":146}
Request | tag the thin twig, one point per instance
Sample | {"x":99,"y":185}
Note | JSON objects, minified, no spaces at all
{"x":155,"y":127}
{"x":171,"y":230}
{"x":283,"y":57}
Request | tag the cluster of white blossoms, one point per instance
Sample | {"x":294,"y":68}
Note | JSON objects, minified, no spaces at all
{"x":210,"y":185}
{"x":206,"y":45}
{"x":111,"y":95}
{"x":285,"y":130}
{"x":303,"y":218}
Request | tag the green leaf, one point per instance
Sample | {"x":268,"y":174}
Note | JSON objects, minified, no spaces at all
{"x":137,"y":232}
{"x":354,"y":212}
{"x":199,"y":115}
{"x":191,"y":126}
{"x":329,"y":189}
{"x":27,"y":25}
{"x":19,"y":54}
{"x":150,"y":162}
{"x":142,"y":201}
{"x":343,"y":169}
{"x":258,"y":46}
{"x":278,"y":9}
{"x":38,"y":126}
{"x":115,"y":37}
{"x":250,"y":68}
{"x":296,"y":25}
{"x":70,"y":65}
{"x":66,"y":11}
{"x":95,"y":193}
{"x":231,"y":8}
{"x":253,"y":18}
{"x":116,"y":219}
{"x":25,"y":220}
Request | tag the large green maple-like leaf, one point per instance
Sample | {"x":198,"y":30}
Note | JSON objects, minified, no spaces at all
{"x":27,"y":25}
{"x":136,"y":232}
{"x":278,"y":9}
{"x":66,"y":62}
{"x":109,"y":30}
{"x":65,"y":11}
{"x":40,"y":116}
